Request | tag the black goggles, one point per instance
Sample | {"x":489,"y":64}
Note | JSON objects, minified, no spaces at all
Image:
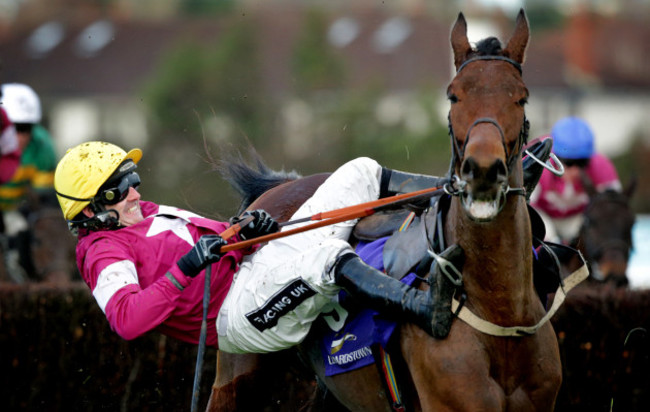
{"x":115,"y":193}
{"x":582,"y":163}
{"x":23,"y":127}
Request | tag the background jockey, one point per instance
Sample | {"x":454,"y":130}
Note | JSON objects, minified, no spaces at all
{"x":9,"y":149}
{"x":144,"y":262}
{"x":561,"y":201}
{"x":32,"y":184}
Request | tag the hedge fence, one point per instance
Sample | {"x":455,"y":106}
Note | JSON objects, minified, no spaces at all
{"x":57,"y":352}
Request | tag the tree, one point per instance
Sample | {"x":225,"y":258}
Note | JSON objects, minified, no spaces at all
{"x":203,"y":92}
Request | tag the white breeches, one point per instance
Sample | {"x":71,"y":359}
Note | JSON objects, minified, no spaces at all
{"x":562,"y":230}
{"x":15,"y":222}
{"x":283,"y":287}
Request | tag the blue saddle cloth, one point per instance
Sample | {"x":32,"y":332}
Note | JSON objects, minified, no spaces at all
{"x":351,"y":347}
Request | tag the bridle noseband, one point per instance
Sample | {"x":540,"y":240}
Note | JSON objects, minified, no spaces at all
{"x":457,"y":185}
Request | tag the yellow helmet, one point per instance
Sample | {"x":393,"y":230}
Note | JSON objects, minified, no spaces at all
{"x":83,"y":170}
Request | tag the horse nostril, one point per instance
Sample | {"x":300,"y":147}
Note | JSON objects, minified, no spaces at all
{"x":497,"y":172}
{"x":467,"y":169}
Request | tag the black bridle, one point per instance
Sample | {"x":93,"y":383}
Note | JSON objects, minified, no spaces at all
{"x":480,"y":58}
{"x":459,"y":153}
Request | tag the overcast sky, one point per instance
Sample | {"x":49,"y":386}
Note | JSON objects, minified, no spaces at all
{"x":509,"y":5}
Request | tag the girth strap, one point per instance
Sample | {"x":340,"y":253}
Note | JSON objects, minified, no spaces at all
{"x":391,"y":381}
{"x":489,"y":328}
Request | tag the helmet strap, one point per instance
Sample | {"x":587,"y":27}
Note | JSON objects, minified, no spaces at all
{"x":103,"y":219}
{"x":97,"y":207}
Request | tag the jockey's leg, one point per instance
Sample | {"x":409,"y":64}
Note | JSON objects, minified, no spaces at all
{"x":283,"y":287}
{"x":395,"y":182}
{"x":551,"y":231}
{"x":390,"y":296}
{"x":568,"y":228}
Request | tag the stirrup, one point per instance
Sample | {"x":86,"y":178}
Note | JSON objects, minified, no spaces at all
{"x":553,"y":164}
{"x":443,"y":283}
{"x":538,"y":156}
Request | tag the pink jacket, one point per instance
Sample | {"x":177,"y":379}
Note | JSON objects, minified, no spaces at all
{"x":9,"y":150}
{"x":559,"y":198}
{"x":126,"y":271}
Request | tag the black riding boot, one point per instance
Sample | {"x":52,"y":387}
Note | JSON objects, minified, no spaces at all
{"x":383,"y":293}
{"x":394,"y":182}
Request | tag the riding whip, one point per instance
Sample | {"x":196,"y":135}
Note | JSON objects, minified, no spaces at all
{"x":337,"y":216}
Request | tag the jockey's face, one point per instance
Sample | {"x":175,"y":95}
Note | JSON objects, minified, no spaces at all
{"x":579,"y":163}
{"x":129,"y":208}
{"x":573,"y":168}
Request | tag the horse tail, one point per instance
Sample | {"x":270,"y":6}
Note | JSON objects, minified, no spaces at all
{"x":252,"y":179}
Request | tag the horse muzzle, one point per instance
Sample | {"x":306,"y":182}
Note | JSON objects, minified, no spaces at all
{"x":482,"y":180}
{"x":482,"y":190}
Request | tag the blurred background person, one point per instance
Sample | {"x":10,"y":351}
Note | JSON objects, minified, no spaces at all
{"x":31,"y":185}
{"x":9,"y":148}
{"x":561,"y":200}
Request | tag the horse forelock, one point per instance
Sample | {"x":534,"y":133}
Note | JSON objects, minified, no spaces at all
{"x":490,"y":46}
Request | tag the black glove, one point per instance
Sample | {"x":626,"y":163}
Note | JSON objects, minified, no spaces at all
{"x":262,"y":224}
{"x":207,"y":250}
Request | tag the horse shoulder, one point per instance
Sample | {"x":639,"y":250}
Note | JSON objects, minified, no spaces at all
{"x":460,"y":373}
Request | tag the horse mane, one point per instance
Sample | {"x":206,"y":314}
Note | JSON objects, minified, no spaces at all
{"x":250,"y":178}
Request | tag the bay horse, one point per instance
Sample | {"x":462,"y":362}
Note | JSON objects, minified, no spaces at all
{"x":48,"y":254}
{"x":487,"y":216}
{"x":605,"y":237}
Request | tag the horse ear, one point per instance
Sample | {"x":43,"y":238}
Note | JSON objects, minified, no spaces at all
{"x":631,"y":187}
{"x":587,"y":184}
{"x":516,"y":48}
{"x":459,"y":43}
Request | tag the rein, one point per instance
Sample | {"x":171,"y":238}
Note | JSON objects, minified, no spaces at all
{"x":337,"y":216}
{"x":489,"y":328}
{"x":198,"y":369}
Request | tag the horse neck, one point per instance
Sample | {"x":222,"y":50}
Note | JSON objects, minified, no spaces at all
{"x":498,"y":265}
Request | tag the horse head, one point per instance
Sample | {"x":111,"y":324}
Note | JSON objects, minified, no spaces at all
{"x":606,"y":235}
{"x":487,"y":123}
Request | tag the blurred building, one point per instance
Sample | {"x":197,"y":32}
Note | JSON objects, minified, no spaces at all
{"x":88,"y":61}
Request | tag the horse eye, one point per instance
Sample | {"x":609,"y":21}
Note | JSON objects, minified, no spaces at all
{"x":452,"y":98}
{"x":522,"y":101}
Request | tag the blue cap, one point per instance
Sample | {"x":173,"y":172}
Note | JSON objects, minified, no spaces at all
{"x":572,"y":139}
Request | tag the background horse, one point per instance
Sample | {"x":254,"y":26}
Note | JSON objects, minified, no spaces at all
{"x":488,"y":217}
{"x":605,"y":237}
{"x":51,"y":249}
